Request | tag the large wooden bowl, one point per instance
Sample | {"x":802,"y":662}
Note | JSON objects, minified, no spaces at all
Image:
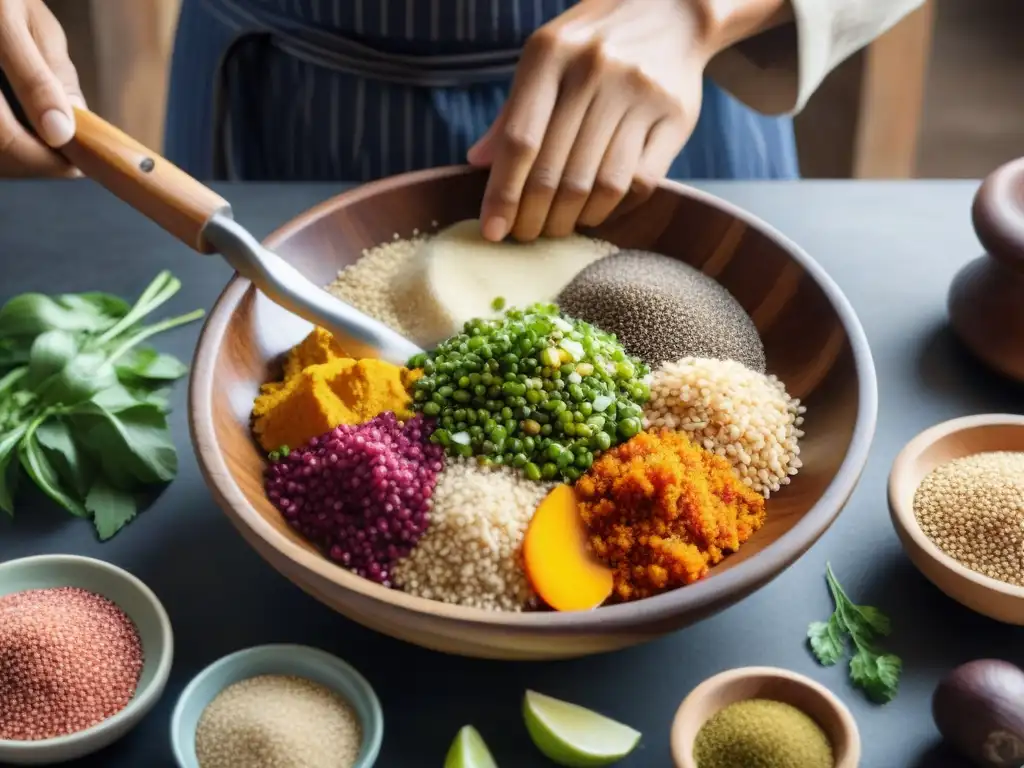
{"x":813,"y":339}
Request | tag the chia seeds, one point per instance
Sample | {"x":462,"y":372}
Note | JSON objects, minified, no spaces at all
{"x":663,"y":310}
{"x":361,"y":492}
{"x":69,"y":659}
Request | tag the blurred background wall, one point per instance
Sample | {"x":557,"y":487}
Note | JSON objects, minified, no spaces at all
{"x":940,"y":96}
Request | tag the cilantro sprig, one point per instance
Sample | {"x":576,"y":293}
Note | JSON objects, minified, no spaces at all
{"x":83,"y":403}
{"x":859,"y":626}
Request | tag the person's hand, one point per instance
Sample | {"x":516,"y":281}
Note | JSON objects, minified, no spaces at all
{"x":34,"y":58}
{"x":603,"y":100}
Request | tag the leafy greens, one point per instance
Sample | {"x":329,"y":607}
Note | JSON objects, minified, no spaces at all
{"x":83,"y":402}
{"x":877,"y":673}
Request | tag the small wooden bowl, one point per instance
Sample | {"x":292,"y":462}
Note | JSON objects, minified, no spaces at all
{"x":935,"y":446}
{"x":813,"y":340}
{"x":725,"y":688}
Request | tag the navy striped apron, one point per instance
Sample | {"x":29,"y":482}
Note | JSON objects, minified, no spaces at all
{"x":353,"y":90}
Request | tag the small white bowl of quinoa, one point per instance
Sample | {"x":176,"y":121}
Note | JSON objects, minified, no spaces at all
{"x":277,"y":706}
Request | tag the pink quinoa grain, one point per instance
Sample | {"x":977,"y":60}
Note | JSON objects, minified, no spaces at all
{"x":361,"y":493}
{"x":69,"y":659}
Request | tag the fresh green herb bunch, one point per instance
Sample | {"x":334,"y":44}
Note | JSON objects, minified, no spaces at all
{"x":83,"y":404}
{"x":533,"y":390}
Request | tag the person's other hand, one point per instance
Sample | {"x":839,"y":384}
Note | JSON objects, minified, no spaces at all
{"x":603,"y":100}
{"x":34,"y":58}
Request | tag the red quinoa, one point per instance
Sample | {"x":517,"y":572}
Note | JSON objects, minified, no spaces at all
{"x":69,"y":659}
{"x":361,"y":492}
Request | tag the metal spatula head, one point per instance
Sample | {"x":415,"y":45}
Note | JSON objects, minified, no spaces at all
{"x":285,"y":285}
{"x":202,"y":219}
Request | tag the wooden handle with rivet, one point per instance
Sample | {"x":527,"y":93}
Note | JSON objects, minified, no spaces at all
{"x":140,"y":177}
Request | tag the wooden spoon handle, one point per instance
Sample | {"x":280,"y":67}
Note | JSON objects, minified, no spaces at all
{"x":147,"y":182}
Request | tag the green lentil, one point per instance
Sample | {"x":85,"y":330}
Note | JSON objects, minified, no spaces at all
{"x":541,"y":391}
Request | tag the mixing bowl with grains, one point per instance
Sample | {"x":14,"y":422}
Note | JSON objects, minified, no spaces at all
{"x":462,"y":500}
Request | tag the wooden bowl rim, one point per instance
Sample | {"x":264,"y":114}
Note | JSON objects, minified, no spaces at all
{"x":902,"y":514}
{"x":681,"y":748}
{"x":749,"y":574}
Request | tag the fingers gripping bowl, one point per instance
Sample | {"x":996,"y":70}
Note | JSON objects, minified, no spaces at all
{"x":812,"y":339}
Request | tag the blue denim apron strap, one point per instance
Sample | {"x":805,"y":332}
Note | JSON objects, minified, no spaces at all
{"x":343,"y":55}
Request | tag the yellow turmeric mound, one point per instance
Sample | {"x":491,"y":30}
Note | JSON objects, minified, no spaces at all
{"x":661,"y":510}
{"x":323,"y":388}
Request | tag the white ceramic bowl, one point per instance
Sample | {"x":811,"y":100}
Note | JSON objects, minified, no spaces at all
{"x":298,"y":660}
{"x":139,"y":603}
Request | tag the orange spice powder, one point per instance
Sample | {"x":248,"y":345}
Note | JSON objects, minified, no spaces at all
{"x":661,"y":510}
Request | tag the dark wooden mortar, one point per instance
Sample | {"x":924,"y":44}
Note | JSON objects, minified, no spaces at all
{"x":986,"y":298}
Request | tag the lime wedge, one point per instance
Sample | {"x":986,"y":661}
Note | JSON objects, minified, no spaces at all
{"x":469,"y":751}
{"x":573,"y":736}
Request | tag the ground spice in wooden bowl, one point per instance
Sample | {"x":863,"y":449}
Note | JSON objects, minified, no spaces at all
{"x":763,"y":733}
{"x":69,"y":659}
{"x":973,"y":509}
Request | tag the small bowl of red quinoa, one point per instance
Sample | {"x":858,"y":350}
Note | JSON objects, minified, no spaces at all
{"x":86,"y":649}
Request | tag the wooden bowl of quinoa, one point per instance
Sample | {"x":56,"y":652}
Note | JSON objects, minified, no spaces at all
{"x":812,"y":338}
{"x":956,"y":499}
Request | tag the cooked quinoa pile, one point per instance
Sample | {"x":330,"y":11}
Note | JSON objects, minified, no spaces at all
{"x":744,"y":416}
{"x":472,"y":552}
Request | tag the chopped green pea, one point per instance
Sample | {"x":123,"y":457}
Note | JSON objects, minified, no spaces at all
{"x":524,"y":386}
{"x":629,"y":427}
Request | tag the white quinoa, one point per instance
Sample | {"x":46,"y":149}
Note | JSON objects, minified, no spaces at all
{"x":472,"y":552}
{"x":278,"y":721}
{"x":367,"y":284}
{"x":973,"y":509}
{"x":740,"y":414}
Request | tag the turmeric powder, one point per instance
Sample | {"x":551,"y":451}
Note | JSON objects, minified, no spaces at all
{"x":322,"y":388}
{"x":661,"y":510}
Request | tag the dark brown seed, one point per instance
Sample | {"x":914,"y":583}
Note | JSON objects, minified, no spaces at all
{"x":663,"y":310}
